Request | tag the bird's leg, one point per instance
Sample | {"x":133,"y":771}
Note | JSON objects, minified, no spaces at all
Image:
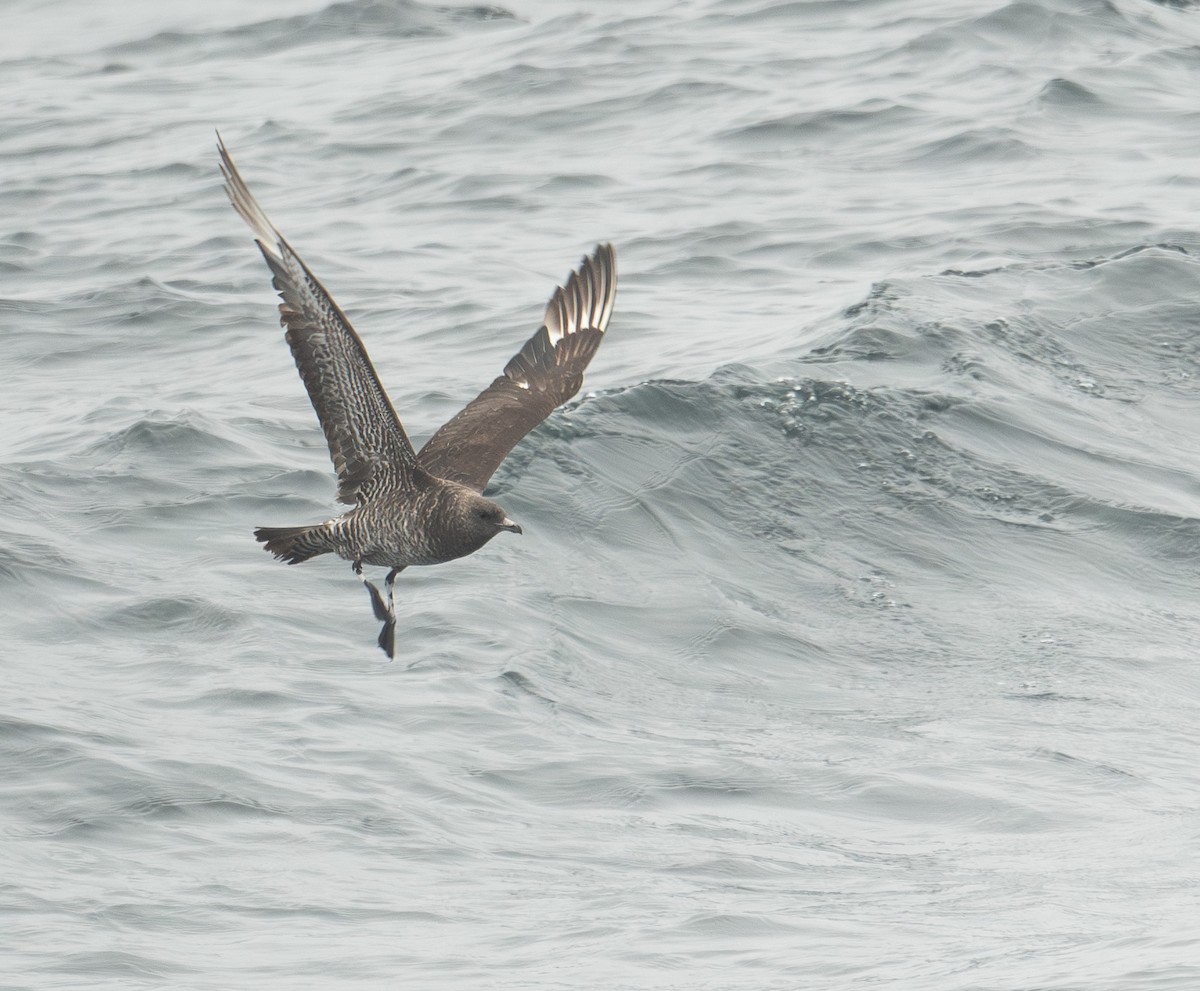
{"x":382,"y":612}
{"x":387,"y":636}
{"x":390,"y":584}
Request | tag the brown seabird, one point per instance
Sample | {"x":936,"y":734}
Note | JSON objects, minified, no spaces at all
{"x":413,"y":507}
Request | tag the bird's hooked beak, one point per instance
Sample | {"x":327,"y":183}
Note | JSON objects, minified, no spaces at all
{"x":507,"y":524}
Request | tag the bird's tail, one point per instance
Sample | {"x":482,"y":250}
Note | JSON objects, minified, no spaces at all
{"x":294,"y":544}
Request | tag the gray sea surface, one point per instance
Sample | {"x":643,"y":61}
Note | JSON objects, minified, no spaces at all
{"x":852,"y":640}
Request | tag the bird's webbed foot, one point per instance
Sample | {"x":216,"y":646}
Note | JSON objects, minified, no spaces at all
{"x":387,"y":636}
{"x":384,"y":611}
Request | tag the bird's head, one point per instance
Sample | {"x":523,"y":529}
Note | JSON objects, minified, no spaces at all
{"x":484,"y":519}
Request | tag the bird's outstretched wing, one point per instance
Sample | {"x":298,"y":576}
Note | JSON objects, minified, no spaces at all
{"x":545,"y":373}
{"x":366,"y":439}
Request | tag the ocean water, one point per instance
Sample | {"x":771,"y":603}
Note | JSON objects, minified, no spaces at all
{"x":852,"y":640}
